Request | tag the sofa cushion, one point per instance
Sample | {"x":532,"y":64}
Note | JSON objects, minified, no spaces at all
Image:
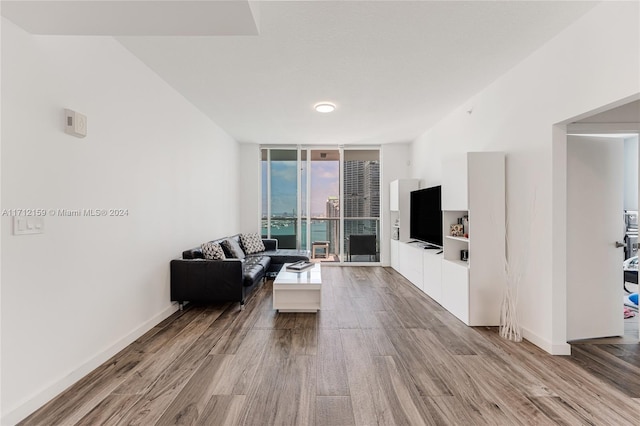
{"x":251,"y":243}
{"x":270,"y":244}
{"x":212,"y":251}
{"x":194,"y":253}
{"x":253,"y":269}
{"x":281,"y":256}
{"x":233,"y":249}
{"x":286,"y":255}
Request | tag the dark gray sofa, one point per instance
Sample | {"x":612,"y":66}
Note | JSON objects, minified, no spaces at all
{"x":194,"y":279}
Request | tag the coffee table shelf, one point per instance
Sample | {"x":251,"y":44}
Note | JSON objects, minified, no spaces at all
{"x":298,"y":291}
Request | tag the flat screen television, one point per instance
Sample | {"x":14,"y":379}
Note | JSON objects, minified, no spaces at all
{"x":426,"y":215}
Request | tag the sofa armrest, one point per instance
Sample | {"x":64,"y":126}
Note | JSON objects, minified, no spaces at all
{"x":270,"y":244}
{"x":202,"y":280}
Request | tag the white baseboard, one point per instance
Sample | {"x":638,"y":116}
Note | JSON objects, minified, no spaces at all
{"x":31,"y":404}
{"x":545,"y":345}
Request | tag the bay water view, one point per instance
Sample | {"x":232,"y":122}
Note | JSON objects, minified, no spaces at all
{"x":287,"y":227}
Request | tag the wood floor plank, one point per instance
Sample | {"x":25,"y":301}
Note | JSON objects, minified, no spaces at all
{"x":452,"y":410}
{"x":109,"y":411}
{"x":80,"y":399}
{"x":285,"y":388}
{"x":402,"y":406}
{"x":564,"y":378}
{"x":388,"y":320}
{"x":379,"y":352}
{"x":175,"y":376}
{"x":616,"y":371}
{"x":332,"y":371}
{"x":425,"y":364}
{"x":559,"y":412}
{"x":344,"y":311}
{"x":358,"y":370}
{"x":148,"y":371}
{"x":497,"y":389}
{"x":222,"y":410}
{"x":327,"y":318}
{"x":230,"y":341}
{"x":369,"y":406}
{"x":334,"y":410}
{"x":304,"y":341}
{"x":238,"y":376}
{"x":378,"y":343}
{"x":187,"y":407}
{"x":174,"y":329}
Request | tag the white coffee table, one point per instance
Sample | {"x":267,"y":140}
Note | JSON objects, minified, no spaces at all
{"x":298,"y":291}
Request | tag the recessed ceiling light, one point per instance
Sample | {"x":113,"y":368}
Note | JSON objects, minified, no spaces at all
{"x":324,"y":107}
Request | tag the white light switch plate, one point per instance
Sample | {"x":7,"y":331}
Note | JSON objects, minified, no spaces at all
{"x":75,"y":123}
{"x":28,"y":225}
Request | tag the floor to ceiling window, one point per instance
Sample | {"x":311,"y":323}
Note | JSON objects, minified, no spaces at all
{"x":280,"y":194}
{"x":361,"y":201}
{"x":326,"y":200}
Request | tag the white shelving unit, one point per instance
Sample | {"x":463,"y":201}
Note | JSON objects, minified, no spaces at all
{"x":473,"y":185}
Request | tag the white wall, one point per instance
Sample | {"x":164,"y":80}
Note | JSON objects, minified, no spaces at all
{"x":89,"y":286}
{"x":592,"y":63}
{"x":631,"y":173}
{"x":250,"y":182}
{"x":1,"y":410}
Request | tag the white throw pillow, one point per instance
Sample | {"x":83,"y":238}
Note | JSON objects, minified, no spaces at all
{"x":212,"y":251}
{"x":252,"y":243}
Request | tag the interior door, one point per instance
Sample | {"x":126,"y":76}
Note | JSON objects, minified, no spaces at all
{"x":595,"y":223}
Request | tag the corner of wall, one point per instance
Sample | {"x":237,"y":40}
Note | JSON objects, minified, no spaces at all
{"x":545,"y":345}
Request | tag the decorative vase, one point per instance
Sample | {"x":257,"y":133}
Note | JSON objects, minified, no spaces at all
{"x":509,"y":326}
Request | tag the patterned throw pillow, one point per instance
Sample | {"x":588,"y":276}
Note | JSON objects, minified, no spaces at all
{"x":233,"y":248}
{"x":212,"y":251}
{"x":252,"y":243}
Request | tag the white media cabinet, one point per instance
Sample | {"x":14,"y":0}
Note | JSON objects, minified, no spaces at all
{"x":473,"y":184}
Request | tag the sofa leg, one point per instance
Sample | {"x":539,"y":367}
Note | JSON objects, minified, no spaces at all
{"x":181,"y":306}
{"x":242,"y":305}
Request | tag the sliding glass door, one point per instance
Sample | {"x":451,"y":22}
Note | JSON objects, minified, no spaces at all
{"x":326,"y":200}
{"x":361,"y":200}
{"x":280,"y":196}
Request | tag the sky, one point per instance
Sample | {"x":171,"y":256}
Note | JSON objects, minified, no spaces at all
{"x":324,"y":183}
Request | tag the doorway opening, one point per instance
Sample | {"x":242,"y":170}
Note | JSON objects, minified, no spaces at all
{"x":602,"y":227}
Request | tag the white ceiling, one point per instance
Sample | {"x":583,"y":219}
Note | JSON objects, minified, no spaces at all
{"x":132,"y":18}
{"x":393,"y":68}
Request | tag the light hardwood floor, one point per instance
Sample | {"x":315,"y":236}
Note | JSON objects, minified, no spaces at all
{"x":380,"y":352}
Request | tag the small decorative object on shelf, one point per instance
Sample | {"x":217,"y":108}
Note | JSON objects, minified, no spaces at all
{"x":464,"y":255}
{"x":465,"y":225}
{"x":456,"y":230}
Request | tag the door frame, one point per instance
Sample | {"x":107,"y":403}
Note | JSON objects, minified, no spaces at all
{"x":559,"y":345}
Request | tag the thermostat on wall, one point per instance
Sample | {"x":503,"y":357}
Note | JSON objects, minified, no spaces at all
{"x":75,"y":123}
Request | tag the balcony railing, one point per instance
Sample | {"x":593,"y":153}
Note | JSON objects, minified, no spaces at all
{"x":284,"y":229}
